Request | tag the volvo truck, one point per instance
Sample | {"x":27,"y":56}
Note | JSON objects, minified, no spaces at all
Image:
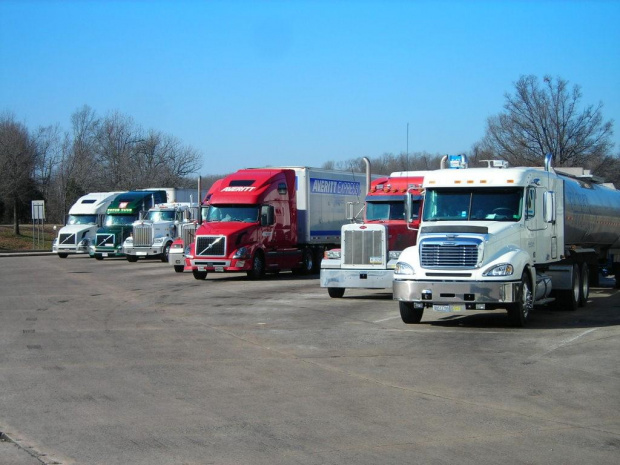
{"x":85,"y":217}
{"x":265,"y":220}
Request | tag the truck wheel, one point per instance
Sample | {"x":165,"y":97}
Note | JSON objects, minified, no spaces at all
{"x":409,"y":314}
{"x":98,"y":256}
{"x":335,"y":292}
{"x":519,"y":311}
{"x":179,"y":268}
{"x":165,"y":253}
{"x":132,"y":258}
{"x":199,"y":274}
{"x":307,"y":262}
{"x":63,"y":255}
{"x":569,"y":299}
{"x":258,"y":267}
{"x":584,"y":286}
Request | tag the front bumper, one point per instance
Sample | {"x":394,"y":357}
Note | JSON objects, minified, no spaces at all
{"x":72,"y":250}
{"x":469,"y":293}
{"x":220,"y":264}
{"x":356,"y":279}
{"x":143,"y":251}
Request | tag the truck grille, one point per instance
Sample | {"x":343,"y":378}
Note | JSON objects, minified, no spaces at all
{"x":212,"y":246}
{"x":103,"y":239}
{"x":448,"y":255}
{"x":188,"y":232}
{"x":66,"y":239}
{"x":142,"y":235}
{"x":364,"y":247}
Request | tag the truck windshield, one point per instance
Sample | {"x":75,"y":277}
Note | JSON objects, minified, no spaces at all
{"x":111,"y":220}
{"x":395,"y":210}
{"x":243,"y":213}
{"x":160,"y":215}
{"x":479,"y":204}
{"x":82,"y":219}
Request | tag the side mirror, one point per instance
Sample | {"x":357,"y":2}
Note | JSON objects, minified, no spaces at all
{"x":267,"y":215}
{"x":549,"y":207}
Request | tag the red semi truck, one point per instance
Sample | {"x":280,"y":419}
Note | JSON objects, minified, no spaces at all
{"x":263,"y":220}
{"x":369,"y":251}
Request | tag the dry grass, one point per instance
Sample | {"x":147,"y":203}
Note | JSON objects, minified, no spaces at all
{"x":11,"y":242}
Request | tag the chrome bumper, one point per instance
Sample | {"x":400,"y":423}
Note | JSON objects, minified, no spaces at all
{"x":360,"y":279}
{"x":465,"y":292}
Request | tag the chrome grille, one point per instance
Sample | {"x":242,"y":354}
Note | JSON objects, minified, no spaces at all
{"x":448,"y":255}
{"x":188,"y":232}
{"x":103,"y":239}
{"x":211,"y":246}
{"x":142,"y":235}
{"x":364,"y":247}
{"x":66,"y":239}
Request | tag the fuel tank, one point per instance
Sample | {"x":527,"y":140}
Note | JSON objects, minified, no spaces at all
{"x":592,"y":214}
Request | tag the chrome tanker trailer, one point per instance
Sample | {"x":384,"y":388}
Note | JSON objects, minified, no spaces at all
{"x":511,"y":238}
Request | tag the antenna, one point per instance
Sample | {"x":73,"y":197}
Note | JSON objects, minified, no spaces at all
{"x":407,"y":155}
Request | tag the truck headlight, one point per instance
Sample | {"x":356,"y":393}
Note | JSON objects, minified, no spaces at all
{"x":129,"y":241}
{"x":333,"y":254}
{"x":242,"y":252}
{"x":188,"y":251}
{"x":394,"y":254}
{"x":85,"y":242}
{"x":158,"y":240}
{"x":503,"y":269}
{"x":404,"y":269}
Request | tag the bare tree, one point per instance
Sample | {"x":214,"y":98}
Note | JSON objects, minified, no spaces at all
{"x":540,"y":119}
{"x":17,"y":162}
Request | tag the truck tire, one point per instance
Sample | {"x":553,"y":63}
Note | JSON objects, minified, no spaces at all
{"x":63,"y":255}
{"x":98,"y":256}
{"x":200,"y":275}
{"x":584,"y":285}
{"x":165,"y":253}
{"x":519,"y":311}
{"x":179,"y":268}
{"x":409,"y":314}
{"x":568,"y":299}
{"x":258,"y":266}
{"x":132,"y":258}
{"x":335,"y":292}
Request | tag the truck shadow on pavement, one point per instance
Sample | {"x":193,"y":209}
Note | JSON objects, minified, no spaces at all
{"x":545,"y":317}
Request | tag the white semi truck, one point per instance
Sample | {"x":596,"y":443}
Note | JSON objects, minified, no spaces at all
{"x":509,"y":238}
{"x":85,"y":217}
{"x":152,"y":235}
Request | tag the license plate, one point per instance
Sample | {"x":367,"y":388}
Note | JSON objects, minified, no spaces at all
{"x":141,"y":253}
{"x":202,"y":268}
{"x":448,"y":308}
{"x":219,"y":269}
{"x":104,"y":254}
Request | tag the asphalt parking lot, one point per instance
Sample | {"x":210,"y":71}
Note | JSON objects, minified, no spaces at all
{"x":131,"y":363}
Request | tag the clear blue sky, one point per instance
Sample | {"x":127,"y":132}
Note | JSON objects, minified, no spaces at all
{"x":252,"y":83}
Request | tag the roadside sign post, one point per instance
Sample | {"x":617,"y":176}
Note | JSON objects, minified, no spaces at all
{"x":38,"y":219}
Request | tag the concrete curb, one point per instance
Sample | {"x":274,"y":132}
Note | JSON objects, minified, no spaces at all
{"x":26,"y":253}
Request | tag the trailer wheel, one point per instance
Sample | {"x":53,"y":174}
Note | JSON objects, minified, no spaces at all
{"x":199,"y":274}
{"x":63,"y":255}
{"x":132,"y":258}
{"x":569,"y":299}
{"x":179,"y":268}
{"x":409,"y":314}
{"x":165,"y":253}
{"x":335,"y":292}
{"x":519,"y":311}
{"x":258,"y":266}
{"x":584,"y":287}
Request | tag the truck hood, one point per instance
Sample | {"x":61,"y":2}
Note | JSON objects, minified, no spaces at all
{"x":77,"y":228}
{"x":491,"y":228}
{"x":225,"y":229}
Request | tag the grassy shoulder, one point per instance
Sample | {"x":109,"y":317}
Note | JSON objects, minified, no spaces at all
{"x":24,"y":241}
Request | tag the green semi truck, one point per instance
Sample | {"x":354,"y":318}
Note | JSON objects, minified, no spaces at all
{"x":120,"y":216}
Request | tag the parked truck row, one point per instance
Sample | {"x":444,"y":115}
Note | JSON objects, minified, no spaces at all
{"x":448,"y":240}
